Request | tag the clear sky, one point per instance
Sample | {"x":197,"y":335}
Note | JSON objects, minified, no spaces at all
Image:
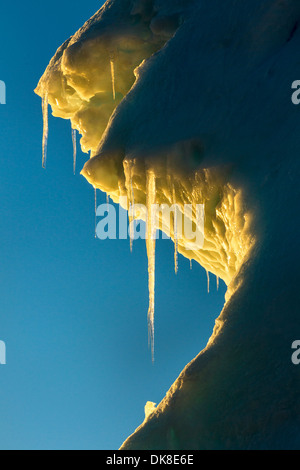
{"x":73,"y":309}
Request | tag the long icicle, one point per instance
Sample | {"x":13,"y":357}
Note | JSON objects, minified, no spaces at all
{"x":132,"y":209}
{"x":113,"y":76}
{"x":151,"y":244}
{"x":208,"y":286}
{"x":175,"y":232}
{"x":128,"y":171}
{"x":74,"y":149}
{"x":95,"y":194}
{"x":45,"y":103}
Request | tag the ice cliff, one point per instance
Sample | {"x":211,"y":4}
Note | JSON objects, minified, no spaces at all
{"x":186,"y":102}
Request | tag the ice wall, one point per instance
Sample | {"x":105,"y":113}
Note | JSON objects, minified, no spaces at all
{"x":189,"y":102}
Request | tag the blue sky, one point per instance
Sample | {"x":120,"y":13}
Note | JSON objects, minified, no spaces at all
{"x":73,"y":309}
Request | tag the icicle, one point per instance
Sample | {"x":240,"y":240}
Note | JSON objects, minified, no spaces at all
{"x":207,"y":274}
{"x":132,"y":214}
{"x":191,"y":264}
{"x":113,"y":75}
{"x":175,"y":232}
{"x":74,"y":149}
{"x":218,"y":282}
{"x":107,"y":201}
{"x":131,"y":189}
{"x":95,"y":191}
{"x":45,"y":103}
{"x":151,"y":242}
{"x":128,"y":171}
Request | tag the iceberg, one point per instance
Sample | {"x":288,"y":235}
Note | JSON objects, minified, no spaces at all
{"x":189,"y":102}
